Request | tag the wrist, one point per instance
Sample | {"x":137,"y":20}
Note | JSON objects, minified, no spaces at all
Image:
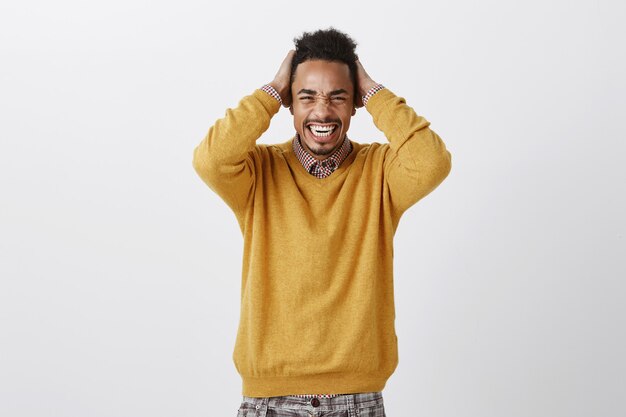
{"x":282,"y":90}
{"x":373,"y":90}
{"x":271,"y":90}
{"x":366,"y":86}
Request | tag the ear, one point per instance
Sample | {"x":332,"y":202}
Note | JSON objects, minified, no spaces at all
{"x":291,"y":109}
{"x":353,"y":110}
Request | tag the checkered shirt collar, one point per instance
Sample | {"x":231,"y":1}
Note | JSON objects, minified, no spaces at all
{"x":321,"y":169}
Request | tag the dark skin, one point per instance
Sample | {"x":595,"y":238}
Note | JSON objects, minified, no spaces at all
{"x":321,"y":98}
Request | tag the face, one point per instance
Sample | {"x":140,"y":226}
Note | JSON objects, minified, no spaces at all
{"x":322,"y":105}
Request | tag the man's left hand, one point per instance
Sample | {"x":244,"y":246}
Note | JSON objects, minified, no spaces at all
{"x":364,"y":82}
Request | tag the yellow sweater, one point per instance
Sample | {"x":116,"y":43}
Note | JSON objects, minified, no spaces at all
{"x":317,"y":299}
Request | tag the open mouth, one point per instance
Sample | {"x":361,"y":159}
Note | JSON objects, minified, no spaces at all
{"x":322,"y":131}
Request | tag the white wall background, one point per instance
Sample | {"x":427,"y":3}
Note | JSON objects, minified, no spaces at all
{"x":120,"y":269}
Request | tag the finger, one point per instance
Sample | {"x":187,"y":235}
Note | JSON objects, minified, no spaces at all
{"x":289,"y":57}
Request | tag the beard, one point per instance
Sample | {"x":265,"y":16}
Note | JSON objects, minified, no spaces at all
{"x":320,"y":151}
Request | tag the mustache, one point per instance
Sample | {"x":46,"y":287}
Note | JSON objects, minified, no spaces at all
{"x":320,"y":121}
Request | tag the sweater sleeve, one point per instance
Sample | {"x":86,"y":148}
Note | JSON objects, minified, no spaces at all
{"x":223,"y":159}
{"x":417,"y":160}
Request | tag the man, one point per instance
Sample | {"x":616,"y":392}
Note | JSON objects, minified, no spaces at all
{"x":318,"y":214}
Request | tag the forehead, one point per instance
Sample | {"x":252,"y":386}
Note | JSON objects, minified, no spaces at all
{"x":322,"y":75}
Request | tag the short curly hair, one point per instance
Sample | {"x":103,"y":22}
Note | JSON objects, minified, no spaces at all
{"x":328,"y":45}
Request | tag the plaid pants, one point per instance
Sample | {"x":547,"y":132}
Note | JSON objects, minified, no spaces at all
{"x":367,"y":404}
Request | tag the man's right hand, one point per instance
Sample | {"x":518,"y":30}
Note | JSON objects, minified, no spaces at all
{"x":282,"y":80}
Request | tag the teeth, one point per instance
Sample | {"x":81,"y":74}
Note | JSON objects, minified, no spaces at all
{"x":322,"y":131}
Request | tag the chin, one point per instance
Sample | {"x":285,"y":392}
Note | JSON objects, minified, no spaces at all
{"x":322,"y":146}
{"x":322,"y":149}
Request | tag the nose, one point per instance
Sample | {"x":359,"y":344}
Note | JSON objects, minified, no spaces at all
{"x":322,"y":108}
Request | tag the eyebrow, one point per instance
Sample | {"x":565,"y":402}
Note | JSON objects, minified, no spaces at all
{"x":313,"y":92}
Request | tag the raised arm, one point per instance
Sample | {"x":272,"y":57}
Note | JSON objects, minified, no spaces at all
{"x":224,"y":157}
{"x":417,"y":160}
